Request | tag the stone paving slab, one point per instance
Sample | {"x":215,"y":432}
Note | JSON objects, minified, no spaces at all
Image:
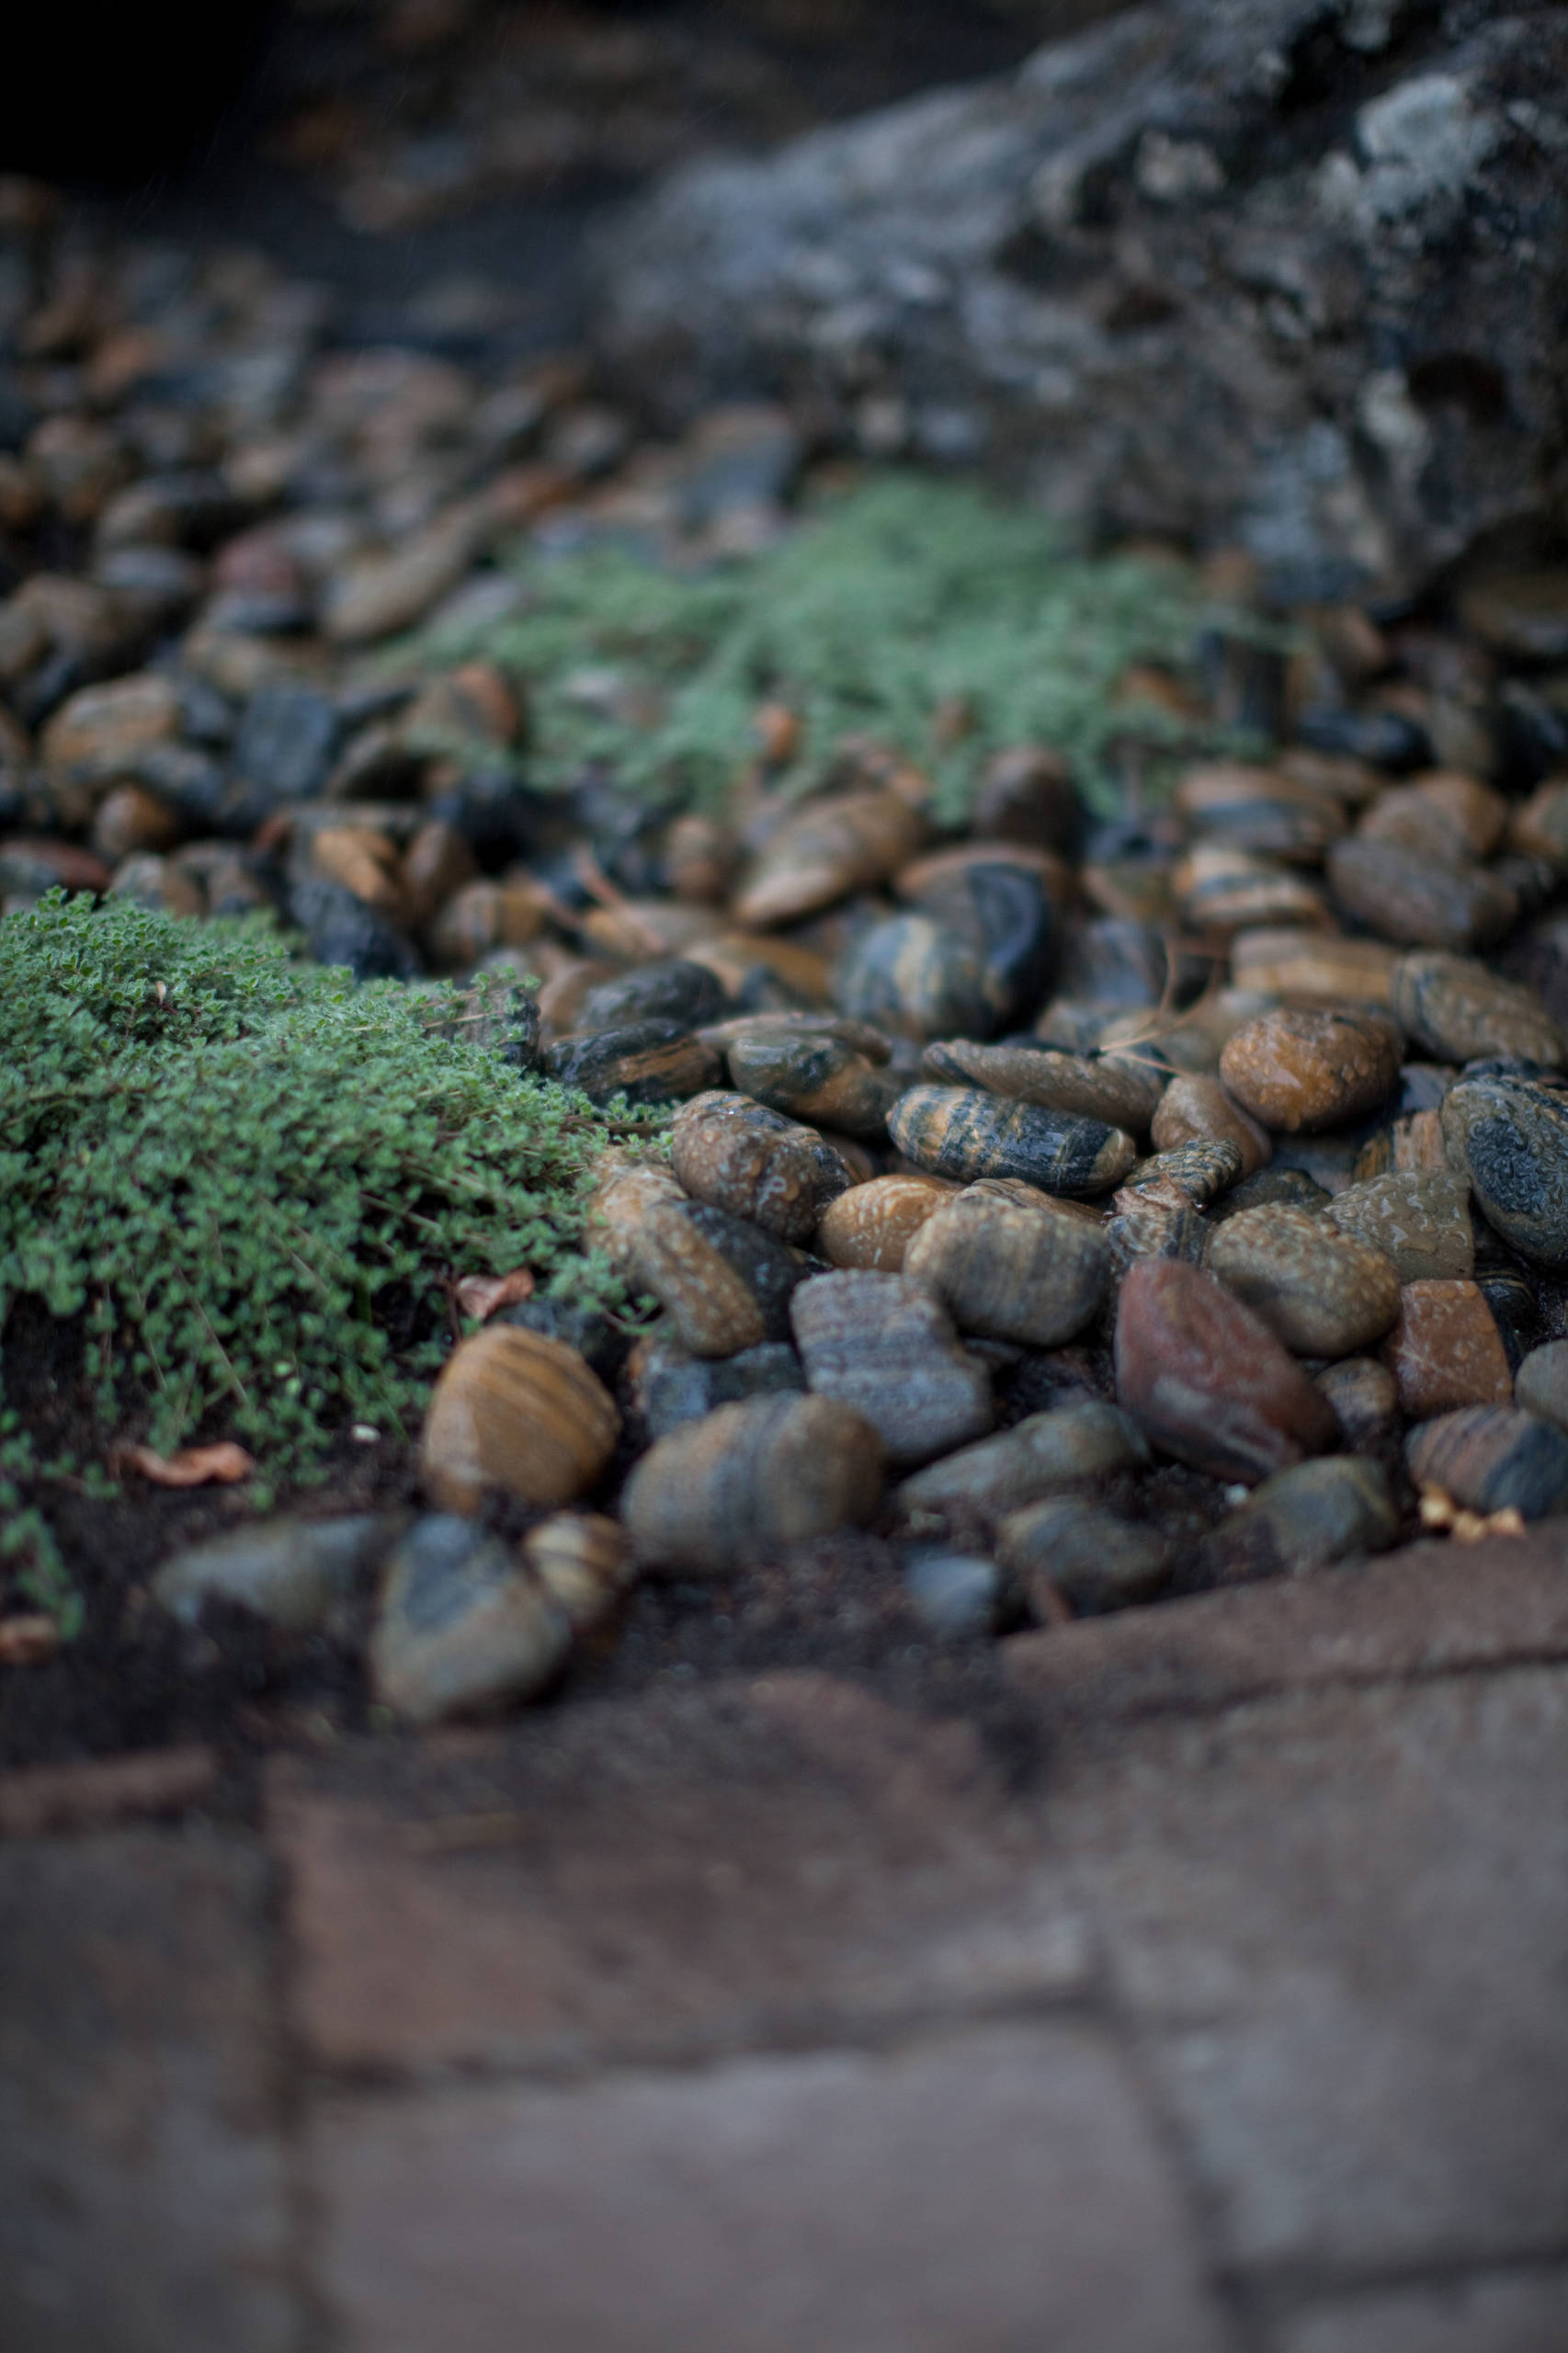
{"x":1492,"y":2313}
{"x":996,"y":2190}
{"x":754,"y":1864}
{"x":1340,"y":1921}
{"x":1430,"y":1610}
{"x":142,"y":2195}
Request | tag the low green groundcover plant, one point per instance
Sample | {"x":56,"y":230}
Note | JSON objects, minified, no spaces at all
{"x":882,"y":605}
{"x":248,"y":1177}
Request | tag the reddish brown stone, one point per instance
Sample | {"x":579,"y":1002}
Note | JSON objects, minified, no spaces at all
{"x":1207,"y":1379}
{"x":1303,"y":1068}
{"x":1446,"y":1350}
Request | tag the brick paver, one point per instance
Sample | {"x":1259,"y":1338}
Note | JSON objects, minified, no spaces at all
{"x":1341,"y":1921}
{"x":991,"y":2191}
{"x":1431,"y":1609}
{"x":756,"y":1863}
{"x":142,"y":2195}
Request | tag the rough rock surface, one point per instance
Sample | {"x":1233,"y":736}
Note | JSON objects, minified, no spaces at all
{"x":1275,"y":267}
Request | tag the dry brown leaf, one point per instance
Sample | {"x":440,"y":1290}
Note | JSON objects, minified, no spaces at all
{"x":481,"y":1295}
{"x":23,"y":1642}
{"x":193,"y":1466}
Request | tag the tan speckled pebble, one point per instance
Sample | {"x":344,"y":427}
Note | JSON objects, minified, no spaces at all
{"x":1305,"y":1068}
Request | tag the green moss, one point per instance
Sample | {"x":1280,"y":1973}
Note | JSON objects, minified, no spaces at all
{"x":881,"y":604}
{"x":252,"y":1181}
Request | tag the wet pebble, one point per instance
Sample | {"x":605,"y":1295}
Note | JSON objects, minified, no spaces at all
{"x":966,"y":1133}
{"x":825,"y":851}
{"x":1445,"y":1349}
{"x":752,"y":1479}
{"x":1419,"y":1219}
{"x":886,"y":1347}
{"x":1207,"y":1379}
{"x":669,"y":989}
{"x":462,"y":1626}
{"x":1419,"y":902}
{"x":1196,"y":1109}
{"x":742,"y":1158}
{"x":515,"y":1412}
{"x":648,"y":1062}
{"x":1082,"y":1554}
{"x":1011,"y":1273}
{"x":1306,"y":1068}
{"x":1510,"y":1135}
{"x":1118,"y":1089}
{"x":1289,"y":1187}
{"x":815,"y":1077}
{"x":584,"y":1563}
{"x":872,"y":1225}
{"x":1306,"y":1518}
{"x":724,"y":1283}
{"x":1491,"y":1457}
{"x":1039,"y":1456}
{"x":1323,"y":1292}
{"x":1363,"y":1397}
{"x":1457,"y":1009}
{"x":1187,"y":1176}
{"x":957,"y":1594}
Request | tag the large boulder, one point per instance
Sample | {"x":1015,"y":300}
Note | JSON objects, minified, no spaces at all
{"x":1287,"y":270}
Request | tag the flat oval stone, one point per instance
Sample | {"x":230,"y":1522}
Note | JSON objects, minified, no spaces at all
{"x":1207,"y":1380}
{"x":1491,"y":1457}
{"x":1305,"y":1517}
{"x":1511,"y":1136}
{"x":515,"y":1412}
{"x":1260,"y":809}
{"x":1418,"y":901}
{"x":749,"y":1479}
{"x":1324,"y":1293}
{"x":1457,"y":1009}
{"x":1313,"y":964}
{"x":1363,"y":1397}
{"x":825,"y":851}
{"x":872,"y":1225}
{"x":1305,"y":1068}
{"x":817,"y":1077}
{"x":648,"y":1062}
{"x":1224,"y":890}
{"x":1094,"y":1560}
{"x":1541,"y":1385}
{"x":673,"y":989}
{"x":461,"y":1625}
{"x":1419,"y":1219}
{"x":966,"y":1133}
{"x":1039,"y":1456}
{"x":1118,"y":1089}
{"x":887,"y":1347}
{"x":1198,"y":1108}
{"x":1007,"y":1273}
{"x":917,"y":977}
{"x":741,"y":1156}
{"x":1446,"y":1350}
{"x":289,"y":1571}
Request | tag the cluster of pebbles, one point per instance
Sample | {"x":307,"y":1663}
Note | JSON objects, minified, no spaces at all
{"x":1092,"y":1211}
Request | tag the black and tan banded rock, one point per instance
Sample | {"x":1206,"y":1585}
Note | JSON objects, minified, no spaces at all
{"x":584,"y":1563}
{"x":1511,"y":1137}
{"x":1302,"y":1069}
{"x":519,"y":1414}
{"x":1119,"y":1089}
{"x":724,"y":1284}
{"x":918,"y":977}
{"x":1317,"y":964}
{"x":671,"y":988}
{"x":1363,"y":1397}
{"x":816,"y":1077}
{"x":1420,"y":902}
{"x":1457,"y":1009}
{"x":1490,"y":1457}
{"x":740,"y":1156}
{"x":1011,"y":1273}
{"x":967,"y":1133}
{"x":648,"y":1062}
{"x":1190,"y":1174}
{"x":1261,"y":810}
{"x":1315,"y":1513}
{"x":887,"y":1347}
{"x":1323,"y":1291}
{"x":749,"y":1479}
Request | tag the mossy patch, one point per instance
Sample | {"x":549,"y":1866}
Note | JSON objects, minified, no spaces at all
{"x":252,"y":1182}
{"x":882,"y":605}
